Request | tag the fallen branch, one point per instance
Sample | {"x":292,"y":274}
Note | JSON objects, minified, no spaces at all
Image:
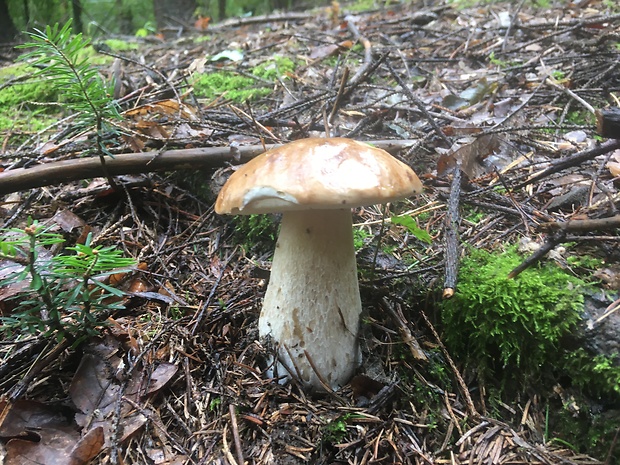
{"x":133,"y":163}
{"x":597,"y":224}
{"x":573,"y":160}
{"x":452,"y":235}
{"x":545,"y":248}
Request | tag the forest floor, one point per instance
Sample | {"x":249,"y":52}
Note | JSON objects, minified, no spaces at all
{"x":506,"y":92}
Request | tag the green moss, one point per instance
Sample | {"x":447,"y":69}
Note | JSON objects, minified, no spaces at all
{"x":202,"y":39}
{"x":27,"y":105}
{"x":251,"y":231}
{"x":598,"y":376}
{"x":26,"y":122}
{"x":10,"y":72}
{"x":228,"y":85}
{"x":21,"y":94}
{"x":238,"y":88}
{"x":362,"y":5}
{"x":121,"y":45}
{"x":275,"y":68}
{"x":32,"y":105}
{"x":510,"y":328}
{"x":586,"y":432}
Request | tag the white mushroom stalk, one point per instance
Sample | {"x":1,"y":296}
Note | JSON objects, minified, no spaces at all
{"x":312,"y":305}
{"x":311,"y":311}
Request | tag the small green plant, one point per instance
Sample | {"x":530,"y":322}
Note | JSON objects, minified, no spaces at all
{"x":611,"y":5}
{"x":496,"y":61}
{"x":412,"y":226}
{"x":558,"y":75}
{"x":586,"y":262}
{"x":215,"y":404}
{"x":149,"y":28}
{"x":56,"y":54}
{"x":62,"y":296}
{"x":360,"y":238}
{"x":510,"y":327}
{"x":579,"y":117}
{"x":584,"y":428}
{"x":335,"y":431}
{"x":473,"y":215}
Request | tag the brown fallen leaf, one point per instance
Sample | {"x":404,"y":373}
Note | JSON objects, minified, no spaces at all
{"x":470,"y":156}
{"x":96,"y":389}
{"x":40,"y":433}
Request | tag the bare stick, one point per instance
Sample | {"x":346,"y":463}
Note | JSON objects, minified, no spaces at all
{"x":572,"y":160}
{"x":361,"y":72}
{"x":452,"y":235}
{"x":552,"y":82}
{"x":235,"y":432}
{"x":408,"y":338}
{"x":461,"y":382}
{"x":596,"y":224}
{"x":418,"y":103}
{"x":548,"y":245}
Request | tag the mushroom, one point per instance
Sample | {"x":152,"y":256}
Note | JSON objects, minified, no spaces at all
{"x":312,"y":307}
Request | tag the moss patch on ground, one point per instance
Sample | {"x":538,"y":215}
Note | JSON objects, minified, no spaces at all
{"x":25,"y":104}
{"x":240,"y":88}
{"x":513,"y":334}
{"x":230,"y":86}
{"x":511,"y":328}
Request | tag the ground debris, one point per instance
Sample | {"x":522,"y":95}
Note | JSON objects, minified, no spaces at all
{"x":179,"y":375}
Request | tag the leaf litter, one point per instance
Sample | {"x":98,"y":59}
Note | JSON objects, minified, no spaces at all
{"x":496,"y":91}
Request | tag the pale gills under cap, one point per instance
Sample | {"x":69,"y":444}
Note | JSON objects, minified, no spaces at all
{"x":316,"y":174}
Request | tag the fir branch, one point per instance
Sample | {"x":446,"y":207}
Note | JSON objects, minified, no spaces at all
{"x":56,"y":54}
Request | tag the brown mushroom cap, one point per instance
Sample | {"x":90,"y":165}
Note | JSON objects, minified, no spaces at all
{"x":316,"y":174}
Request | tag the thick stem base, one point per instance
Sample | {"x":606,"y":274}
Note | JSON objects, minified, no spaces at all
{"x":312,"y":305}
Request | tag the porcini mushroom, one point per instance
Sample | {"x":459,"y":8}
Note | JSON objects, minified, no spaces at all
{"x":312,"y":307}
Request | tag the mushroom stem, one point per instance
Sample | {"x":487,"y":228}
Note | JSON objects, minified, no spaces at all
{"x":312,"y":302}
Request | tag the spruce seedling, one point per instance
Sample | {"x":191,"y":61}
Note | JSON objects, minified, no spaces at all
{"x":56,"y":54}
{"x":64,"y":295}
